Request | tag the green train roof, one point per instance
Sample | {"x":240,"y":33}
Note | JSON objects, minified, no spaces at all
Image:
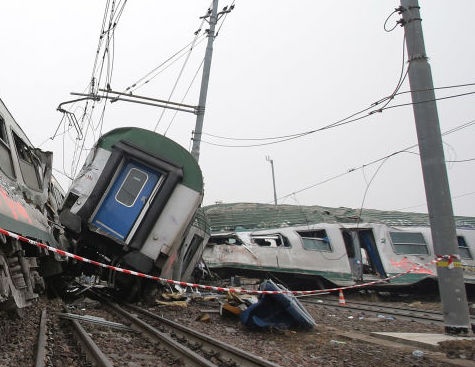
{"x":159,"y":146}
{"x":249,"y":216}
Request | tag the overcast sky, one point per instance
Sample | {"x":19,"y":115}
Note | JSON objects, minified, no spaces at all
{"x":279,"y":68}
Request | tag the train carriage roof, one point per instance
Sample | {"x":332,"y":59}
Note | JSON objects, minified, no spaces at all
{"x":249,"y":216}
{"x":159,"y":146}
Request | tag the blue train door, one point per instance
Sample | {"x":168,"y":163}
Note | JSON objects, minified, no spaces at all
{"x":126,"y":199}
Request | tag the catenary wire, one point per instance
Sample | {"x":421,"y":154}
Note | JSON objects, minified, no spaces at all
{"x":348,"y":117}
{"x":284,"y":138}
{"x":351,"y":170}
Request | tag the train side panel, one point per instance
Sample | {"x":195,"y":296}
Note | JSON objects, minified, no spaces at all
{"x":405,"y":251}
{"x":467,"y":254}
{"x":29,"y":197}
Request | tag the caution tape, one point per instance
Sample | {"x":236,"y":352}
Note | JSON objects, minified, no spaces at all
{"x":210,"y":287}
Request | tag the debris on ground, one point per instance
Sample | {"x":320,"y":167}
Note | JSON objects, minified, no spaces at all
{"x":279,"y":311}
{"x":464,"y":349}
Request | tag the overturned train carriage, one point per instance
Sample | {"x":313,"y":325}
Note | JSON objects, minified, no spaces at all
{"x":29,"y":198}
{"x":318,"y":247}
{"x":135,"y":204}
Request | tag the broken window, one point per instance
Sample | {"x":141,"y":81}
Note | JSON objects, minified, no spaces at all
{"x":6,"y":164}
{"x":29,"y":164}
{"x":270,"y":240}
{"x":230,"y":239}
{"x":463,"y":248}
{"x":316,"y":240}
{"x":409,"y":243}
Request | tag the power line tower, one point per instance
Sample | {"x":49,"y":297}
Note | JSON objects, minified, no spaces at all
{"x":214,"y":17}
{"x":439,"y":204}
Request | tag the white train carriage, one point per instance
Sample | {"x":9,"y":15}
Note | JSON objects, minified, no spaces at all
{"x":337,"y":251}
{"x":466,"y":247}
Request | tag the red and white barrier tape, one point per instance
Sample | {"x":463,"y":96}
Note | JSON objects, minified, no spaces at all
{"x":209,"y":287}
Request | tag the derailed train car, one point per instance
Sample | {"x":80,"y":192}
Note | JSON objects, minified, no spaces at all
{"x":317,"y":247}
{"x":135,"y":204}
{"x":29,"y":198}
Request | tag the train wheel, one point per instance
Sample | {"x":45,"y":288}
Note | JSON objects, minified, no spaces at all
{"x":127,"y":287}
{"x":150,"y":292}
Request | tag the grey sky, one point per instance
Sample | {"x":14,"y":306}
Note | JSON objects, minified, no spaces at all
{"x":279,"y":68}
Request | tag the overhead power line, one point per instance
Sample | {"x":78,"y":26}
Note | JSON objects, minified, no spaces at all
{"x":377,"y":160}
{"x":349,"y":119}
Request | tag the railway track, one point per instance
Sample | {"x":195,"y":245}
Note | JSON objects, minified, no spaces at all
{"x":95,"y":340}
{"x":111,"y":335}
{"x":223,"y":354}
{"x":385,"y":310}
{"x":55,"y":345}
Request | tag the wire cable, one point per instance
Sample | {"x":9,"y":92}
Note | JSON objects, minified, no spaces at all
{"x":283,"y":138}
{"x":184,"y":96}
{"x":162,"y":67}
{"x":180,"y":74}
{"x":384,"y":158}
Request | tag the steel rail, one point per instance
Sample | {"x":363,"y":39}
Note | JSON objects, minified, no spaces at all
{"x":225,"y":351}
{"x":189,"y":357}
{"x":41,"y":344}
{"x":92,"y":351}
{"x":427,"y":316}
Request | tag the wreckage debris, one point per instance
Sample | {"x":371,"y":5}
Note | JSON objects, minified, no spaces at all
{"x":268,"y":311}
{"x":280,"y":311}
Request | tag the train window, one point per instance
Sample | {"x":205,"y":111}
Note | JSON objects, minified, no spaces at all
{"x":225,"y":240}
{"x":29,"y":164}
{"x":131,"y":187}
{"x":270,"y":240}
{"x":192,"y":250}
{"x":6,"y":164}
{"x":315,"y":240}
{"x":56,"y":192}
{"x":409,"y":243}
{"x":3,"y":131}
{"x":463,"y":248}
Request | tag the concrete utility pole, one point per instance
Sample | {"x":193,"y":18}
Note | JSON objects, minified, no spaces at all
{"x":439,"y":203}
{"x":195,"y":149}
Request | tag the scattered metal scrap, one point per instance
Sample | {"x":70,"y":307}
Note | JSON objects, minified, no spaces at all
{"x":95,"y":320}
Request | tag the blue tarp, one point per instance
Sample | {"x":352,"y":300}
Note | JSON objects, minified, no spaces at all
{"x":282,"y":311}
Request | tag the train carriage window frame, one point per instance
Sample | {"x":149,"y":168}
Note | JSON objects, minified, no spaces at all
{"x":271,"y":240}
{"x":6,"y":163}
{"x":230,"y":239}
{"x":29,"y":164}
{"x":464,"y":250}
{"x":195,"y":243}
{"x":315,"y":240}
{"x":409,"y":243}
